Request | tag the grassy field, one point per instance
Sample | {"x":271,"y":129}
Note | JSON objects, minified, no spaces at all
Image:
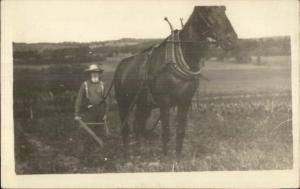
{"x":241,"y":122}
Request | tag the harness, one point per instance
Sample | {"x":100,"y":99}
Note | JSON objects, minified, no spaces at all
{"x":174,"y":56}
{"x":174,"y":59}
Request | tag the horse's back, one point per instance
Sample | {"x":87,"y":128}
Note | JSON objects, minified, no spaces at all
{"x":127,"y":75}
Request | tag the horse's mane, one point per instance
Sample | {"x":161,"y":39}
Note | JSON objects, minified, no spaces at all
{"x":154,"y":46}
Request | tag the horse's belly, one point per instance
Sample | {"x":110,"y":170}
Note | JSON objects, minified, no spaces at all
{"x":174,"y":88}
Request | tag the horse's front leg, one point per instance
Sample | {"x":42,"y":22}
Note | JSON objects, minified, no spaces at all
{"x":165,"y":117}
{"x":182,"y":113}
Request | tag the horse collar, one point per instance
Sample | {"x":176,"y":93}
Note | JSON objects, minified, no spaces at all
{"x":174,"y":57}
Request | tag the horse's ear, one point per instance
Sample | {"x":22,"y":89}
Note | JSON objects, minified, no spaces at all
{"x":197,"y":8}
{"x":223,"y":8}
{"x":181,"y":22}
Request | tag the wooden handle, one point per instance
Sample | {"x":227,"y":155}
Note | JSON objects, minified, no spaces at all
{"x":88,"y":130}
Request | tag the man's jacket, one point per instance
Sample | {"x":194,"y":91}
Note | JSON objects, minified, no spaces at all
{"x":90,"y":94}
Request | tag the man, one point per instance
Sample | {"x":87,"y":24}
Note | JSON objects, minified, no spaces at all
{"x":90,"y":105}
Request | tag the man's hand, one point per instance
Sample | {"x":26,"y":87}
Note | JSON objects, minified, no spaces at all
{"x":77,"y":118}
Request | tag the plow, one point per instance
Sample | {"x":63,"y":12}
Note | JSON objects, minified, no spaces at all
{"x":96,"y":138}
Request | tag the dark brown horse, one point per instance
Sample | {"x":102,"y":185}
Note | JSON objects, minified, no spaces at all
{"x":147,"y":80}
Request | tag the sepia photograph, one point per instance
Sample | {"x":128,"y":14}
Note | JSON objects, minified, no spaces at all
{"x":117,"y":87}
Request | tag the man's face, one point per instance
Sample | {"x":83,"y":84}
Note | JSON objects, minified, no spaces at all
{"x":95,"y":76}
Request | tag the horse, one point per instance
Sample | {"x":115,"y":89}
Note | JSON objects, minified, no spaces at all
{"x":148,"y":81}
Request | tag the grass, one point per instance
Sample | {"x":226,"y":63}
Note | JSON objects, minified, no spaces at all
{"x":244,"y":132}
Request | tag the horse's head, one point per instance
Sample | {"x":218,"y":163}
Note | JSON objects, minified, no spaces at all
{"x":212,"y":22}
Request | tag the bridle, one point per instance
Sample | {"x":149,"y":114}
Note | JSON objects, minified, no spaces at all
{"x":203,"y":41}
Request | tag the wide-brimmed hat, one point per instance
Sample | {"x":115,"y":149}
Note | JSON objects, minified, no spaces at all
{"x":94,"y":68}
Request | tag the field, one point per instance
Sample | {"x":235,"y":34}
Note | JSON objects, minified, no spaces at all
{"x":239,"y":120}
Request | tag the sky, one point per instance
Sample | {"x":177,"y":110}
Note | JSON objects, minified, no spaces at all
{"x":98,"y":20}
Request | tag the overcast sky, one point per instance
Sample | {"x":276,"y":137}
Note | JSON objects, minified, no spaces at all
{"x":84,"y":21}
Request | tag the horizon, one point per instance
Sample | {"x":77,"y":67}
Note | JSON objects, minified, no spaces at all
{"x":103,"y":41}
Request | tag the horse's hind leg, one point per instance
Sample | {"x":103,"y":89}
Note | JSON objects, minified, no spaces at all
{"x":165,"y":118}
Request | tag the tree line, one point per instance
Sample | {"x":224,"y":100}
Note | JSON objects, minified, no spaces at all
{"x":72,"y":53}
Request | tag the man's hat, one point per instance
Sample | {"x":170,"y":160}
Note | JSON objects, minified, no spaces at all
{"x":94,"y":68}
